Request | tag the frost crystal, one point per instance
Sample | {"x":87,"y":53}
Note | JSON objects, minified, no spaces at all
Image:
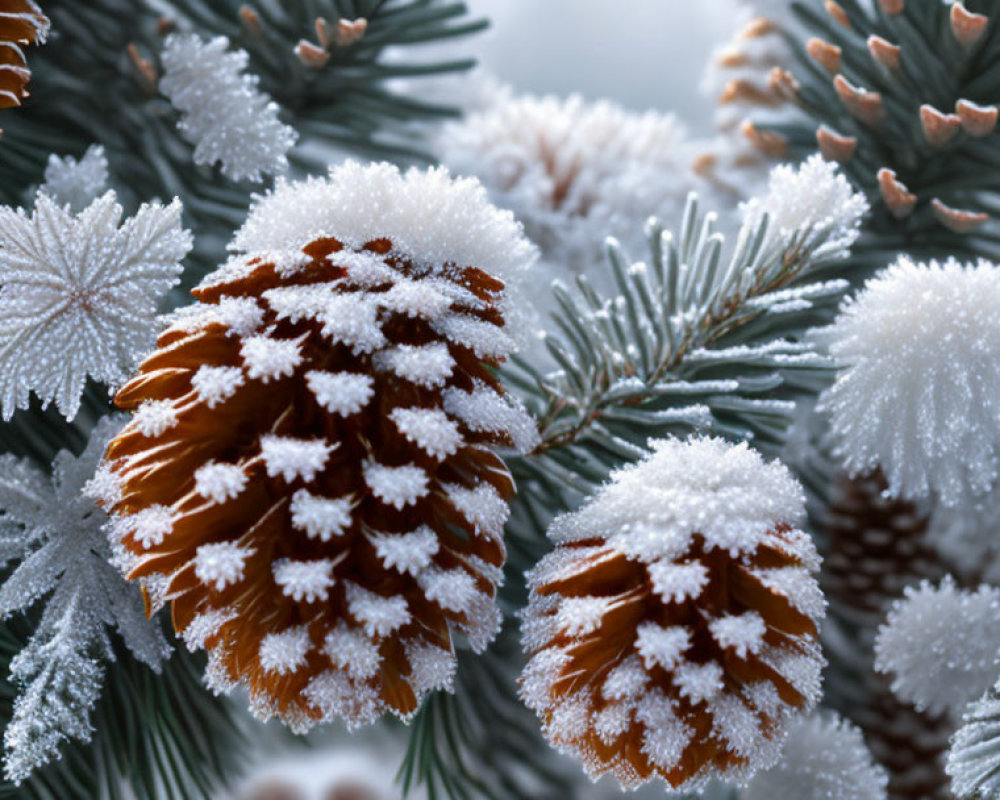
{"x":811,"y":198}
{"x":77,"y":183}
{"x":363,"y":203}
{"x":573,"y":172}
{"x":54,"y":529}
{"x":79,"y":294}
{"x":824,"y":758}
{"x":919,"y":350}
{"x":225,"y":116}
{"x":658,"y":604}
{"x":941,"y":645}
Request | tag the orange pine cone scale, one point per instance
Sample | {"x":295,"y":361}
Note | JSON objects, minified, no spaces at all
{"x":21,"y":22}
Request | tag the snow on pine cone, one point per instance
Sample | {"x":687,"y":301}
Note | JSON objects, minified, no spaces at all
{"x":673,"y":630}
{"x":310,"y":477}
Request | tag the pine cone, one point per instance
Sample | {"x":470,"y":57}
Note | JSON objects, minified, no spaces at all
{"x":901,"y":94}
{"x":309,"y":478}
{"x":673,"y":630}
{"x":875,"y":547}
{"x":21,"y":22}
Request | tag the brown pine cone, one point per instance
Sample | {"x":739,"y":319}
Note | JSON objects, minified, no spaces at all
{"x":21,"y":22}
{"x":310,"y":478}
{"x":673,"y":630}
{"x":875,"y":547}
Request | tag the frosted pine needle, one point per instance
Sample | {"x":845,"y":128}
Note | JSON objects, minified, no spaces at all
{"x":972,"y":760}
{"x":824,"y":758}
{"x":919,"y":350}
{"x":52,"y":526}
{"x":79,"y":295}
{"x":941,"y":645}
{"x":225,"y":116}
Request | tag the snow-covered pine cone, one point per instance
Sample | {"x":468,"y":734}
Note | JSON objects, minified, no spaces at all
{"x":310,"y":476}
{"x":21,"y":22}
{"x":673,"y":630}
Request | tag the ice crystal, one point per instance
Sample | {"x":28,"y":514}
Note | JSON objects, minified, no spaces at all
{"x":824,"y":758}
{"x":941,"y":645}
{"x":77,"y":183}
{"x":363,"y":203}
{"x":224,"y":114}
{"x":919,"y":351}
{"x":52,"y":526}
{"x":79,"y":294}
{"x":573,"y":172}
{"x":813,"y":197}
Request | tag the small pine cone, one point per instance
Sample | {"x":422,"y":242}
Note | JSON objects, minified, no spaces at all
{"x":875,"y":547}
{"x":21,"y":22}
{"x":309,"y":477}
{"x":673,"y":630}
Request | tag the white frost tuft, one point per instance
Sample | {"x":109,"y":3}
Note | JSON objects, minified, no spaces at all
{"x":941,"y":645}
{"x":321,"y":517}
{"x":824,"y":758}
{"x":304,"y":581}
{"x":396,"y":486}
{"x":294,"y":458}
{"x":77,"y":184}
{"x":219,"y":482}
{"x":919,"y":350}
{"x":725,"y":492}
{"x":341,"y":393}
{"x":574,"y":172}
{"x":432,"y":219}
{"x":220,"y":564}
{"x":224,"y":114}
{"x":286,"y":651}
{"x":810,"y":197}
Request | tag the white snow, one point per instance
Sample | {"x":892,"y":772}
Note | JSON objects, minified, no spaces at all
{"x":304,"y":581}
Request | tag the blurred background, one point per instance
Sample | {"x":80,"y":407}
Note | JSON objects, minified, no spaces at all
{"x":640,"y":53}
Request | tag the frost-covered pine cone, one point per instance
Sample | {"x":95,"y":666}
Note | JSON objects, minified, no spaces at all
{"x":673,"y":630}
{"x":21,"y":22}
{"x":310,"y":475}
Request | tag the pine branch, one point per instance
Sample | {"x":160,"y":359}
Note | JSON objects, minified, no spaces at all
{"x":690,"y":342}
{"x":913,"y":127}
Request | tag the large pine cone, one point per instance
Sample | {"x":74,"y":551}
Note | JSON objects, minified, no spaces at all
{"x":21,"y":22}
{"x":673,"y":630}
{"x":309,"y":478}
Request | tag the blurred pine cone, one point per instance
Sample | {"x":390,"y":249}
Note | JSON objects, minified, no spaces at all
{"x":875,"y":547}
